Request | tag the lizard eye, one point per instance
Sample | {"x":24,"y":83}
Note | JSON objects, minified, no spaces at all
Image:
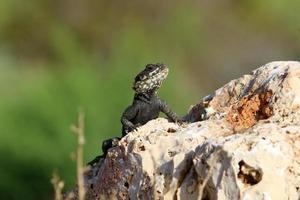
{"x":150,"y":67}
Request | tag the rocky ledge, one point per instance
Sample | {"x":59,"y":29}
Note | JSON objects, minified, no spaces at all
{"x":247,"y":146}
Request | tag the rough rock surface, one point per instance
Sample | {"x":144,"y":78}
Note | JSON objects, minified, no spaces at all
{"x":248,"y":146}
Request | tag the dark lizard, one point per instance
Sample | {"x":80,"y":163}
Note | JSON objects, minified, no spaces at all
{"x":107,"y":144}
{"x":146,"y":104}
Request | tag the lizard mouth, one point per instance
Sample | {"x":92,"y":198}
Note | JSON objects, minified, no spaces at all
{"x":165,"y":71}
{"x":163,"y":74}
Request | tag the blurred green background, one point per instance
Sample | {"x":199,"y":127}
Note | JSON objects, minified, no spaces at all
{"x":58,"y":55}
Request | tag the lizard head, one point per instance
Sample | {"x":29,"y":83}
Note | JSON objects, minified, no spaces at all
{"x":151,"y":78}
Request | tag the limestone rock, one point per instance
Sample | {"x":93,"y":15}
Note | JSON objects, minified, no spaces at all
{"x":247,"y":146}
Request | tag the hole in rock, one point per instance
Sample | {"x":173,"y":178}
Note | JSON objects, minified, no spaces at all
{"x":248,"y":174}
{"x":126,"y":184}
{"x":142,"y":148}
{"x":171,"y":130}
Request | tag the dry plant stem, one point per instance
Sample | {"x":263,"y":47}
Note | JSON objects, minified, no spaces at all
{"x":58,"y":186}
{"x":79,"y":130}
{"x":209,"y":174}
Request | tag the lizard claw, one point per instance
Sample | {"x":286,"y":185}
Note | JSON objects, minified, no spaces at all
{"x":181,"y":122}
{"x":131,"y":128}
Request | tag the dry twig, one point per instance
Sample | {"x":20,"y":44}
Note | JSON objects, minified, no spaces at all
{"x":58,"y":186}
{"x":79,"y":131}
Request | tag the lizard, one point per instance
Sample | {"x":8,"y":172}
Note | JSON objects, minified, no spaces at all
{"x":107,"y":144}
{"x":146,"y":104}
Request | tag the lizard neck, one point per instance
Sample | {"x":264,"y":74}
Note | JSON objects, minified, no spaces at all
{"x":146,"y":97}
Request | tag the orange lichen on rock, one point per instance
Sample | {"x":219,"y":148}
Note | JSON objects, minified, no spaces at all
{"x":250,"y":109}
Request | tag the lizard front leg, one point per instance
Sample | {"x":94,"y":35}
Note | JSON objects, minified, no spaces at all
{"x":128,"y":115}
{"x":163,"y":106}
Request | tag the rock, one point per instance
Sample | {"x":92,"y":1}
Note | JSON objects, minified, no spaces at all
{"x":248,"y":146}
